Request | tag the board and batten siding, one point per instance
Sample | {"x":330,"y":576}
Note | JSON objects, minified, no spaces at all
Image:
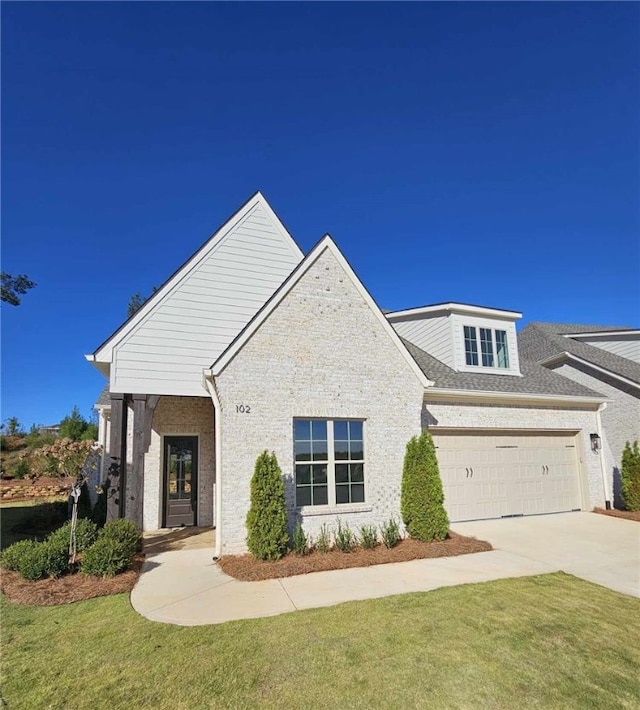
{"x":198,"y":318}
{"x":624,"y":345}
{"x":433,"y":335}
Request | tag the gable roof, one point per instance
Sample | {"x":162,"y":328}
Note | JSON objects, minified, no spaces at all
{"x":325,"y":244}
{"x":103,"y":351}
{"x":542,"y":342}
{"x":535,"y":380}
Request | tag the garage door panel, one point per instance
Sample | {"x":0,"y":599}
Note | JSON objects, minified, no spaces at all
{"x":493,"y":475}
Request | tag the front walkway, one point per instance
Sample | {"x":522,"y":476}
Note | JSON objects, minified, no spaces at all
{"x":187,"y":588}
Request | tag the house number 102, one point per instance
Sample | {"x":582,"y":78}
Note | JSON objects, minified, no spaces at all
{"x":243,"y":408}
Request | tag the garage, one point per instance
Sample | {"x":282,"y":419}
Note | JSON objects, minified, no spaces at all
{"x":500,"y":473}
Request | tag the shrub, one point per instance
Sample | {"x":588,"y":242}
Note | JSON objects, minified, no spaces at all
{"x":267,"y":537}
{"x":10,"y":558}
{"x":299,"y":541}
{"x":106,"y":558}
{"x":42,"y":559}
{"x":124,"y":531}
{"x":630,"y":476}
{"x":390,"y":532}
{"x":368,"y":536}
{"x":323,"y":542}
{"x":422,"y":498}
{"x":344,"y":538}
{"x":21,"y":469}
{"x":86,"y":534}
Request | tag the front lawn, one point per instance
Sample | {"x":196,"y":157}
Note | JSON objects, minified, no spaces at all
{"x":551,"y":641}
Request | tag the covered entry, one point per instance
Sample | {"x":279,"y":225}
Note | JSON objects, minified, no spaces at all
{"x":492,"y":474}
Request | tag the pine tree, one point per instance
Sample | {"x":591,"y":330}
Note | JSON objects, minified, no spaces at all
{"x":422,"y":498}
{"x":630,"y":476}
{"x":267,"y":536}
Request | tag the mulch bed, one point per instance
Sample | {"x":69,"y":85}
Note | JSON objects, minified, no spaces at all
{"x":248,"y":569}
{"x":67,"y":589}
{"x":626,"y":514}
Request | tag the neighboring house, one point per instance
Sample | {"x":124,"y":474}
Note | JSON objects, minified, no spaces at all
{"x":605,"y":359}
{"x":250,"y":346}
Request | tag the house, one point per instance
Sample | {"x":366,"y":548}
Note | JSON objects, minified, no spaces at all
{"x":605,"y":359}
{"x":251,"y":345}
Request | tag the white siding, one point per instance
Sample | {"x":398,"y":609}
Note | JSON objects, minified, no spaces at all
{"x":624,"y":345}
{"x":433,"y":335}
{"x":458,"y":321}
{"x":197,"y":319}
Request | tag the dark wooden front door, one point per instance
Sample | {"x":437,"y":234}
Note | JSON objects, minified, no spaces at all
{"x":180,"y":480}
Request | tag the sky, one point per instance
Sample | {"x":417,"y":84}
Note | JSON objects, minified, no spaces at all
{"x":485,"y":153}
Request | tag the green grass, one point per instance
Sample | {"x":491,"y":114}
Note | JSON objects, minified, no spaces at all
{"x":13,"y":513}
{"x":551,"y":641}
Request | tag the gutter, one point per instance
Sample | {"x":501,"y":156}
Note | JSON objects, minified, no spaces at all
{"x":472,"y":395}
{"x":603,"y":468}
{"x":217,"y":410}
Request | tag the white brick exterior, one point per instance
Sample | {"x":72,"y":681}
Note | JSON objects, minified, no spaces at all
{"x":513,"y":417}
{"x":180,"y":416}
{"x":620,"y":420}
{"x":321,"y":353}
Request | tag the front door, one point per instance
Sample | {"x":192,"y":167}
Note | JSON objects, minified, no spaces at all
{"x":180,"y":480}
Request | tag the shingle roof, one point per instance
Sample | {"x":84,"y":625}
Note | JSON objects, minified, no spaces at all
{"x":540,"y":341}
{"x":535,"y":378}
{"x":104,"y":398}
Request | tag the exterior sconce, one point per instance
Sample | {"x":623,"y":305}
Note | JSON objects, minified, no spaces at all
{"x":595,"y":443}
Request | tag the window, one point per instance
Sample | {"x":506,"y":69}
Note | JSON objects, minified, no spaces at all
{"x":494,"y":351}
{"x":329,"y":461}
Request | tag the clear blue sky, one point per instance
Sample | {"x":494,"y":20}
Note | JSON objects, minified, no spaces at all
{"x":484,"y":153}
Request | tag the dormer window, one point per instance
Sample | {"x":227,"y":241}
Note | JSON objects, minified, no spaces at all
{"x":492,"y":351}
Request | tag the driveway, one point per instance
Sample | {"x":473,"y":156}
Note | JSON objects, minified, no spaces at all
{"x":598,"y":548}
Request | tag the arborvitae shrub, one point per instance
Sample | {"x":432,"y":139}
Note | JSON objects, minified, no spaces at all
{"x":267,"y":537}
{"x":422,"y":500}
{"x":630,"y":476}
{"x":368,"y":536}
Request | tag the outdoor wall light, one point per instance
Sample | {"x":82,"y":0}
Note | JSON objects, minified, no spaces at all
{"x":595,"y":443}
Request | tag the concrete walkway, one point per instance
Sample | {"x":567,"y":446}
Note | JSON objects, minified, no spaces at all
{"x":187,"y":588}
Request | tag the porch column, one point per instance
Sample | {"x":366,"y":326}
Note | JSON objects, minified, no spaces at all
{"x":117,"y":461}
{"x":143,"y":408}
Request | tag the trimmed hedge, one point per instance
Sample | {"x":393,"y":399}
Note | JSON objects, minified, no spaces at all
{"x":86,"y":534}
{"x":11,"y":557}
{"x":124,"y":531}
{"x":106,"y":558}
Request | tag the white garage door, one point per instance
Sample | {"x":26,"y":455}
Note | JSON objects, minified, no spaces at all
{"x":491,"y":475}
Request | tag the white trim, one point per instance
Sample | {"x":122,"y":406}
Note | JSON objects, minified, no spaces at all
{"x":325,"y":244}
{"x":601,"y":333}
{"x":105,"y":351}
{"x":217,"y":493}
{"x":603,"y":467}
{"x":453,"y":307}
{"x":436,"y":394}
{"x":569,"y":356}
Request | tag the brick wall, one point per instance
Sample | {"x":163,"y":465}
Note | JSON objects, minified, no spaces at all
{"x":321,"y":353}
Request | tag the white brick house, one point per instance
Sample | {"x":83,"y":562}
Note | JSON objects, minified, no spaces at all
{"x":249,"y":346}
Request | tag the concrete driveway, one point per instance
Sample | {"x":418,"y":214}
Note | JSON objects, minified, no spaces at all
{"x":598,"y":548}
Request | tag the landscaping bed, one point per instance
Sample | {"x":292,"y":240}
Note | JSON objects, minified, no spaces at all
{"x":249,"y":569}
{"x":68,"y":588}
{"x":626,"y":514}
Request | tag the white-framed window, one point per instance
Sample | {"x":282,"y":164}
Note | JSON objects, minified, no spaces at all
{"x":486,"y":347}
{"x":329,"y":461}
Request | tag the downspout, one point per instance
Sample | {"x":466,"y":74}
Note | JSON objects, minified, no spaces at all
{"x":217,"y":422}
{"x":603,"y":467}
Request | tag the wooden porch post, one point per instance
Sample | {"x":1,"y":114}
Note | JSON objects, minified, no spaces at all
{"x":143,"y":407}
{"x":116,"y":469}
